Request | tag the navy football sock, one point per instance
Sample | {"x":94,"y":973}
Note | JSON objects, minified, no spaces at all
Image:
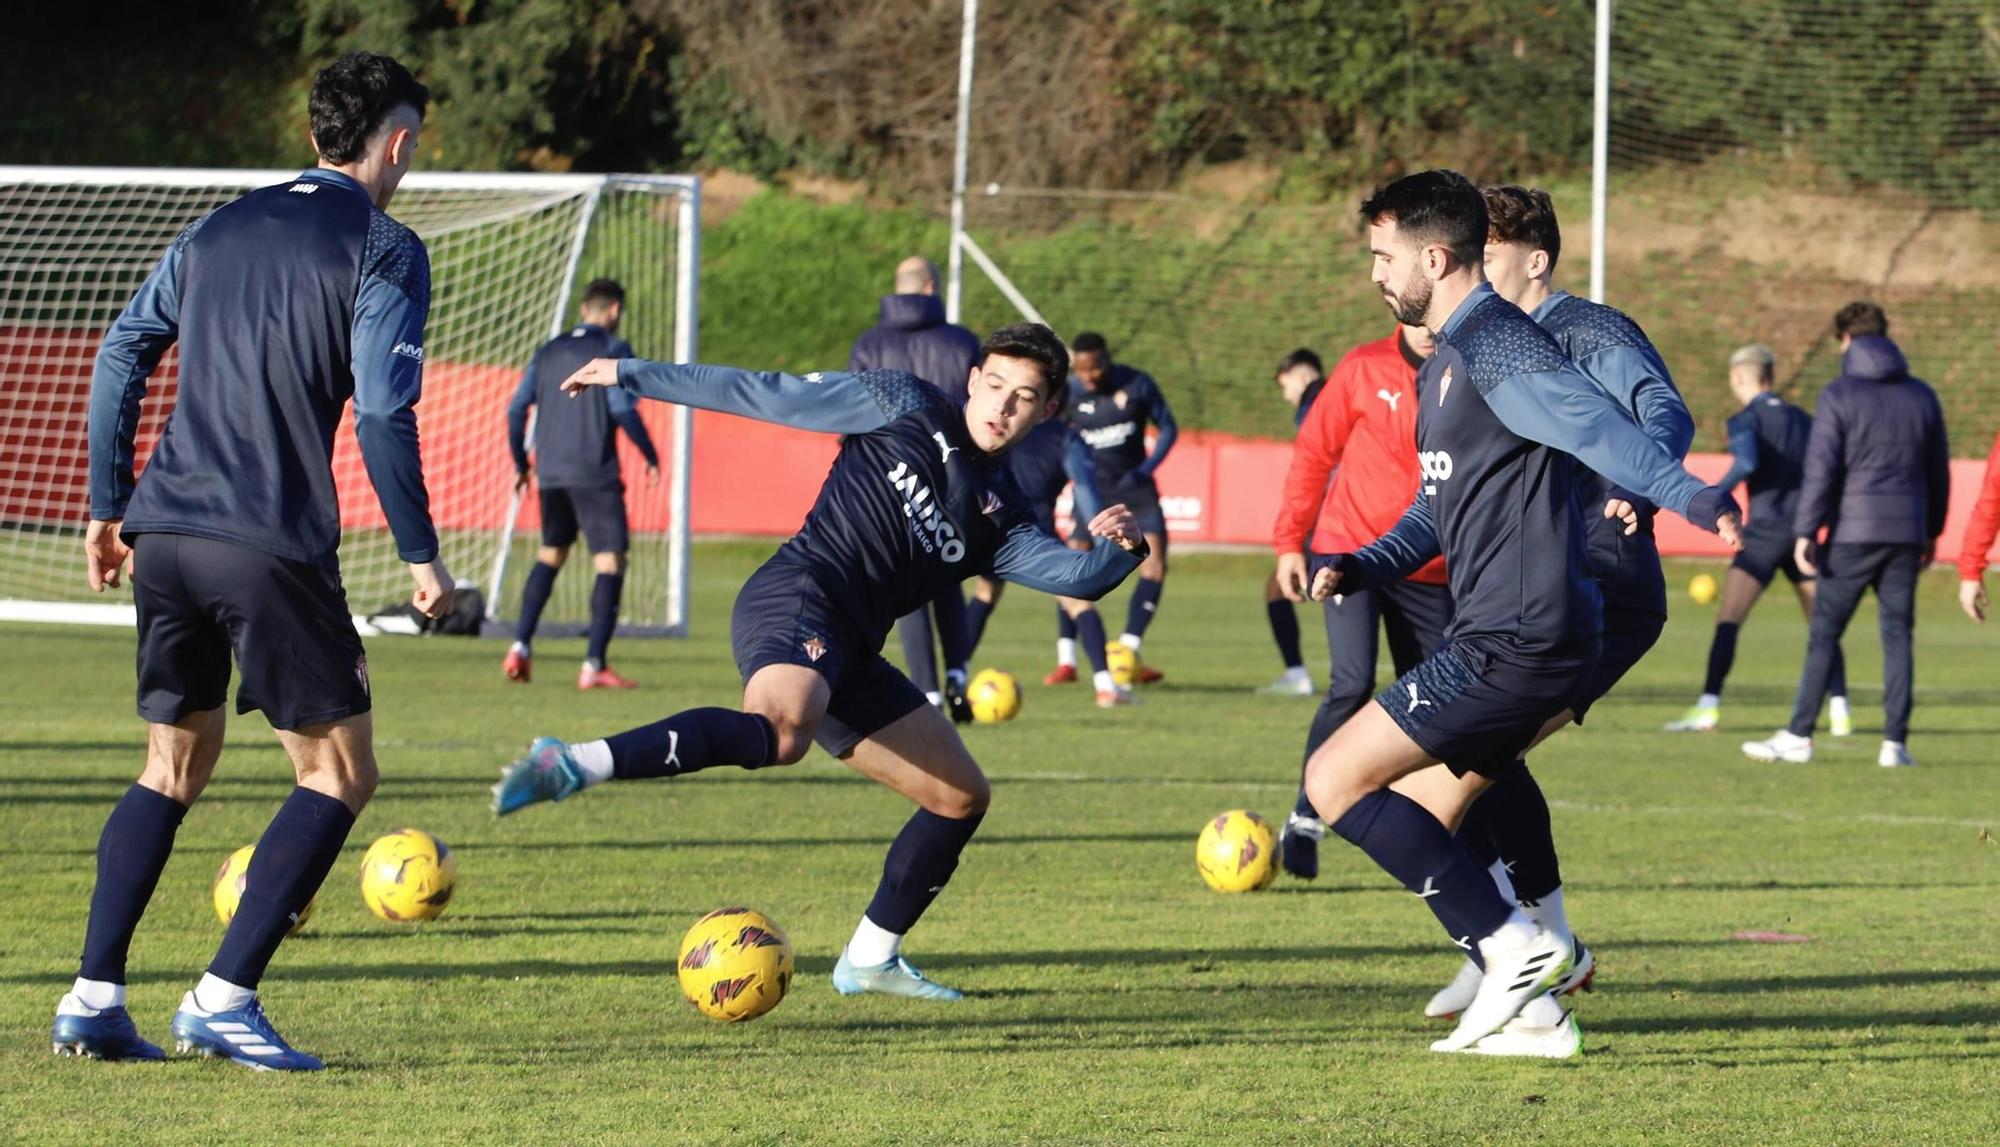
{"x":1285,"y":630}
{"x":692,"y":740}
{"x":291,"y":862}
{"x":1145,"y":601}
{"x":976,"y":612}
{"x":1065,"y":625}
{"x":1721,"y":655}
{"x":534,"y":595}
{"x":1410,"y":845}
{"x":1090,"y":635}
{"x":1304,"y":806}
{"x":1836,"y":673}
{"x":604,"y":594}
{"x":1477,"y":831}
{"x":1518,"y":817}
{"x":919,"y":864}
{"x":131,"y":852}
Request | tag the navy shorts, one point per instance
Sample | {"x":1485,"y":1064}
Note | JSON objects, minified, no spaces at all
{"x":286,"y":622}
{"x":1141,"y":496}
{"x":783,"y":617}
{"x":1476,"y":704}
{"x":1764,"y":555}
{"x":1628,"y":636}
{"x":598,"y":510}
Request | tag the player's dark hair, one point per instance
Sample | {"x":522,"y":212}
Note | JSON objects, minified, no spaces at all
{"x":353,"y":95}
{"x":1860,"y":319}
{"x":1524,"y":215}
{"x":1089,"y":342}
{"x":601,"y":293}
{"x":1434,"y":207}
{"x":1035,"y":343}
{"x":1301,"y":357}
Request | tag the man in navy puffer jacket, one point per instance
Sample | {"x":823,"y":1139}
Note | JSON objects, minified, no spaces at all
{"x":1878,"y":478}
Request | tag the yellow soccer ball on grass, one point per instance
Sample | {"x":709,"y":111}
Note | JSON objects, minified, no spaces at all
{"x":1237,"y":852}
{"x":994,"y":696}
{"x":735,"y":964}
{"x":230,"y":881}
{"x":1123,"y":663}
{"x":1702,"y":588}
{"x":408,"y":876}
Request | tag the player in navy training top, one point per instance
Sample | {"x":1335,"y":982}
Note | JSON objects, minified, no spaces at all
{"x":1500,"y":412}
{"x":285,"y":303}
{"x":576,"y":465}
{"x":1047,"y":460}
{"x":1767,"y":446}
{"x":1508,"y":827}
{"x":1110,"y":407}
{"x":1300,"y":377}
{"x":918,"y":498}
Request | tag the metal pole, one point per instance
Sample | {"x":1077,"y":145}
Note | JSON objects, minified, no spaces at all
{"x":1600,"y":153}
{"x":687,"y":323}
{"x":968,"y":48}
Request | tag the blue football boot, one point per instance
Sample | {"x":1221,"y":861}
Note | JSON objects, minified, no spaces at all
{"x":895,"y":978}
{"x":106,"y":1033}
{"x":241,"y":1034}
{"x":547,"y":773}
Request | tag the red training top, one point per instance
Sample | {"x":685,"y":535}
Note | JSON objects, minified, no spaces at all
{"x":1985,"y":523}
{"x":1361,"y":432}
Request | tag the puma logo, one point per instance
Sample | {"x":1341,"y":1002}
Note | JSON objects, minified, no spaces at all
{"x":1430,"y":889}
{"x":673,"y":750}
{"x":947,"y":448}
{"x":1414,"y":699}
{"x":1388,"y":398}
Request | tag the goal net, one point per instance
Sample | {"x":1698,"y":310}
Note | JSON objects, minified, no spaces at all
{"x":509,"y":257}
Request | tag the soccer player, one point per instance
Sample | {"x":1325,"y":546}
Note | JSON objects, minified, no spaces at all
{"x":1980,"y":531}
{"x":911,"y":335}
{"x":1878,"y":479}
{"x":1500,"y":411}
{"x":1110,"y":406}
{"x":918,"y":497}
{"x":1509,"y":826}
{"x":1353,"y":473}
{"x":1300,"y":378}
{"x":1048,"y":459}
{"x":284,"y":303}
{"x":576,"y":463}
{"x":1767,"y":446}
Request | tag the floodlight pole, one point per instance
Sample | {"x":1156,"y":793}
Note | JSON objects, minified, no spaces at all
{"x":1600,"y":152}
{"x":968,"y":45}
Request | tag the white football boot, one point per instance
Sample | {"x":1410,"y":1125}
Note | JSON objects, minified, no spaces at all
{"x":1894,"y":756}
{"x":1515,"y":973}
{"x":1524,"y":1040}
{"x":1783,"y":745}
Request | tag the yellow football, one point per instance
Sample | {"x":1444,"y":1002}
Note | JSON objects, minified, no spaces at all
{"x":994,"y":696}
{"x":408,"y":876}
{"x":1237,"y":852}
{"x":735,"y":964}
{"x":1122,"y":662}
{"x":230,"y":880}
{"x":1702,"y":589}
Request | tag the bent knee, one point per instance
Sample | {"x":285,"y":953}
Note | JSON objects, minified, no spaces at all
{"x":1331,"y":792}
{"x":960,"y":802}
{"x":794,"y":742}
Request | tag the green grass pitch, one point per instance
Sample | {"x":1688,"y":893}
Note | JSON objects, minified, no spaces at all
{"x":1113,"y":997}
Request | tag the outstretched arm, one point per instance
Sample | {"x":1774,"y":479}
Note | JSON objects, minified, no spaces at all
{"x":1410,"y":543}
{"x":1031,"y":558}
{"x":831,"y":402}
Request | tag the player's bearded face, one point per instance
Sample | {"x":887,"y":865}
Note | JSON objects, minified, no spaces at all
{"x":1397,"y":272}
{"x":1005,"y":399}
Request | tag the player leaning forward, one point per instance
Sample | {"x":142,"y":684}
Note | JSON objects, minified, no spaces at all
{"x":284,"y":303}
{"x":919,"y":498}
{"x":1500,"y":411}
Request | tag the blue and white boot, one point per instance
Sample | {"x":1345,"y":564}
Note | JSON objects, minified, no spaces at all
{"x":895,"y":978}
{"x":547,"y":773}
{"x":99,"y":1033}
{"x":242,"y":1034}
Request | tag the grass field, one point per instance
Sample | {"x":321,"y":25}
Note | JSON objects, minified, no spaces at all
{"x":1113,"y":997}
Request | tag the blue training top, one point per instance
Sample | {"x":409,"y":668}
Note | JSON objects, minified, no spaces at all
{"x":576,"y":439}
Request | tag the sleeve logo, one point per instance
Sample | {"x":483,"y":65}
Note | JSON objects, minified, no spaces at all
{"x":409,"y":350}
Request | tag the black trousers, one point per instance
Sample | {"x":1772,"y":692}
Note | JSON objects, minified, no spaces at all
{"x":1414,"y":616}
{"x":1846,"y":571}
{"x":914,"y":631}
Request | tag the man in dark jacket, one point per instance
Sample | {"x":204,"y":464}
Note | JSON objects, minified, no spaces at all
{"x":911,"y":335}
{"x":1878,"y":477}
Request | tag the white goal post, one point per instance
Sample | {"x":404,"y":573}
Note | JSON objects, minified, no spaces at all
{"x":509,"y":257}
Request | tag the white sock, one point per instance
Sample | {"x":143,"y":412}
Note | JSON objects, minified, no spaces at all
{"x":1517,"y":931}
{"x":1103,"y":681}
{"x":1543,"y":1012}
{"x":594,"y":758}
{"x":1709,"y":701}
{"x":98,"y":994}
{"x":215,"y":994}
{"x":1548,"y":912}
{"x":592,"y":665}
{"x":521,"y":647}
{"x":1502,"y":881}
{"x":1066,"y":651}
{"x":872,"y":945}
{"x":935,"y":698}
{"x":1129,"y":641}
{"x":1297,"y":673}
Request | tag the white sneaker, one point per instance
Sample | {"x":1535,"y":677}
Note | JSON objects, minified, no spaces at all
{"x":1784,"y":745}
{"x":1894,"y":756}
{"x":1294,"y":682}
{"x":1456,"y":996}
{"x":1513,"y":976}
{"x":1524,"y":1040}
{"x":1698,"y":719}
{"x":1839,"y":717}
